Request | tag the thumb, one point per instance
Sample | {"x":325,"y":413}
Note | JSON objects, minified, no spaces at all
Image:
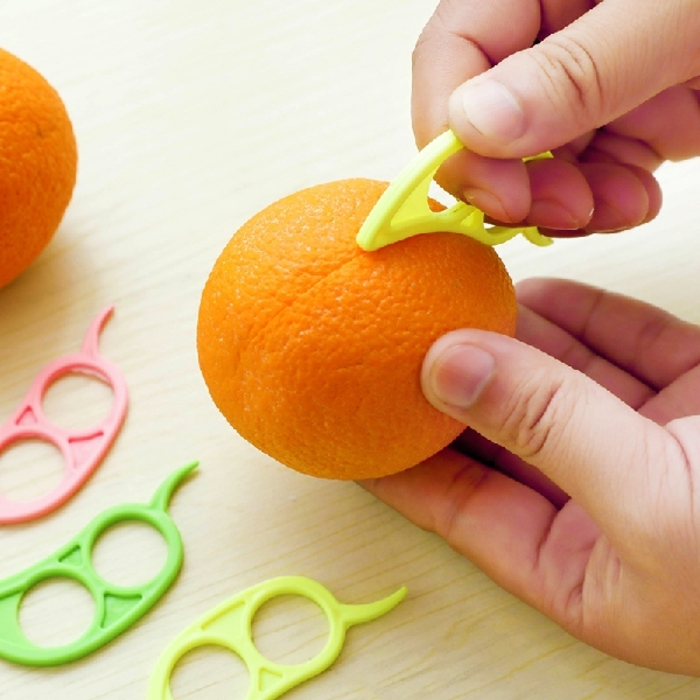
{"x":614,"y":57}
{"x":581,"y":436}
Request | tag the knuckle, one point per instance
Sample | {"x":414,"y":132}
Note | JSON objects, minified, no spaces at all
{"x":431,"y":39}
{"x":571,"y":75}
{"x":418,"y":50}
{"x":532,"y":421}
{"x":449,"y":520}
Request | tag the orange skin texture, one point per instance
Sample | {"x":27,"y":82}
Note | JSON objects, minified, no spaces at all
{"x":312,"y":348}
{"x":38,"y":164}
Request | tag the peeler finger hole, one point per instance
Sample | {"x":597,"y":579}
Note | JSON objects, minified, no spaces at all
{"x":290,"y":629}
{"x":77,"y":400}
{"x":56,"y":612}
{"x":29,"y":469}
{"x":209,"y":673}
{"x":129,"y":553}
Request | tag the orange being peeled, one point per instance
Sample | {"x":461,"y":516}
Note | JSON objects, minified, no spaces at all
{"x":312,"y":348}
{"x":38,"y":163}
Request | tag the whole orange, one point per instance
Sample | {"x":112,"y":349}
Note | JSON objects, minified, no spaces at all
{"x":38,"y":163}
{"x":312,"y":348}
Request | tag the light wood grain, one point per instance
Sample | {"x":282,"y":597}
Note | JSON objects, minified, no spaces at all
{"x":191,"y":116}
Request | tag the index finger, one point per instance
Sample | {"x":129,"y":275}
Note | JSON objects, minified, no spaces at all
{"x":460,"y":41}
{"x":644,"y":341}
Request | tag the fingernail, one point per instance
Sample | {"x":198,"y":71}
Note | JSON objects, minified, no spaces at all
{"x":460,"y":374}
{"x":486,"y":202}
{"x":552,"y":215}
{"x":493,"y":111}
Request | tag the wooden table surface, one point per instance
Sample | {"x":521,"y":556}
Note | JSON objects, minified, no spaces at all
{"x":190,"y":117}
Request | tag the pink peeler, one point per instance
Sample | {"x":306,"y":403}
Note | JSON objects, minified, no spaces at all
{"x":82,"y":450}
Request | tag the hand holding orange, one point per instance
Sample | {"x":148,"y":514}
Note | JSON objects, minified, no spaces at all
{"x":312,"y":348}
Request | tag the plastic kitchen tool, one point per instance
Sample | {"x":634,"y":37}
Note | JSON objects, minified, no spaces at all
{"x":229,"y":625}
{"x":117,"y":607}
{"x":403,"y":210}
{"x":82,"y":450}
